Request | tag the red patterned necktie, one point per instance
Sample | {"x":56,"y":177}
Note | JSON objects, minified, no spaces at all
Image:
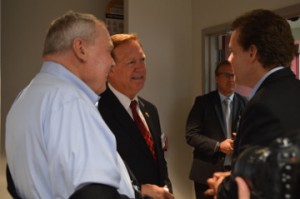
{"x":143,"y":129}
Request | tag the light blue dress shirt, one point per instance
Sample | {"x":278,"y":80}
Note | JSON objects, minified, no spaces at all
{"x":56,"y":140}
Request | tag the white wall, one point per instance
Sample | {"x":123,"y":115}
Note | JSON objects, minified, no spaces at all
{"x":296,"y":33}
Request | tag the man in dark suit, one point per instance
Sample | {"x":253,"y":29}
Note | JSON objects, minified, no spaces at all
{"x":145,"y":160}
{"x":207,"y":130}
{"x":262,"y":48}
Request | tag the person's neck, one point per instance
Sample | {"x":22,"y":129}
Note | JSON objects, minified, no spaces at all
{"x":227,"y":94}
{"x":118,"y":89}
{"x":64,"y":59}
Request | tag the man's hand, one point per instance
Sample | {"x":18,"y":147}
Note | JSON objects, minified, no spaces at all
{"x":227,"y":146}
{"x":156,"y":192}
{"x":214,"y":183}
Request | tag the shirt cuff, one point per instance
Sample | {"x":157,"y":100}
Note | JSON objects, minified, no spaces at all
{"x":217,"y":147}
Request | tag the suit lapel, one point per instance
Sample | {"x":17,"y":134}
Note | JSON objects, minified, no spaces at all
{"x":219,"y":111}
{"x":125,"y":121}
{"x":235,"y":113}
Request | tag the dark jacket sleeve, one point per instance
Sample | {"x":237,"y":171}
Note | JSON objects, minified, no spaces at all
{"x":201,"y":127}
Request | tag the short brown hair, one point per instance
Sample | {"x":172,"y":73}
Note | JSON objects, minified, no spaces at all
{"x":270,"y":33}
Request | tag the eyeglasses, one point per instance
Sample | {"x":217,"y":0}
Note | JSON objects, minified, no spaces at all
{"x":227,"y":75}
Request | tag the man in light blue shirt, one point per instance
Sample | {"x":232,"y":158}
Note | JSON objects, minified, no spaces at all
{"x":57,"y":144}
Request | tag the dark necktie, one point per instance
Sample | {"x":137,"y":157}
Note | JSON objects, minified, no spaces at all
{"x":228,"y":117}
{"x":143,"y":129}
{"x":227,"y":113}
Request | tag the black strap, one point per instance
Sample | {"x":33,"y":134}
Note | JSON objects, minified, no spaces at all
{"x":97,"y":191}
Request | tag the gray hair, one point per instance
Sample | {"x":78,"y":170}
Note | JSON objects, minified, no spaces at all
{"x":65,"y":29}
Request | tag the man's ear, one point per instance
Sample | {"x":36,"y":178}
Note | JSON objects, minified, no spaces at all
{"x":253,"y":52}
{"x":79,"y":48}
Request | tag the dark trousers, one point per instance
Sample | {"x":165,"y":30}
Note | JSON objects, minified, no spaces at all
{"x":200,"y":189}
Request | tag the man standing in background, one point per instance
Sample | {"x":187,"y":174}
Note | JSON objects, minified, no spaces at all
{"x":210,"y":128}
{"x":133,"y":120}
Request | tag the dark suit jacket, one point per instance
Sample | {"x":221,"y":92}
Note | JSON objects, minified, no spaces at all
{"x":204,"y":128}
{"x":131,"y":144}
{"x":274,"y":111}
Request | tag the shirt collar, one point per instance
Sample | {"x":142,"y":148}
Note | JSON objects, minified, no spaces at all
{"x":255,"y":88}
{"x":124,"y":100}
{"x":223,"y":97}
{"x":64,"y":74}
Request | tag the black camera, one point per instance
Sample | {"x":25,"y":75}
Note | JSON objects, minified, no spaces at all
{"x":271,"y":172}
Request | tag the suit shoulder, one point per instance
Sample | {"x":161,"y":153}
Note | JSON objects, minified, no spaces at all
{"x":241,"y":97}
{"x":107,"y":100}
{"x":207,"y":96}
{"x":145,"y":102}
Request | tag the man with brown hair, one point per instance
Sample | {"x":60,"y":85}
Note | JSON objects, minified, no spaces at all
{"x":262,"y":48}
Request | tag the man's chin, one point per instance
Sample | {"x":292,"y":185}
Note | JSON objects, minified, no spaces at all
{"x":102,"y":89}
{"x":138,"y":88}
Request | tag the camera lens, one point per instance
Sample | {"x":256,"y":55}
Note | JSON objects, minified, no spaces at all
{"x":251,"y":166}
{"x":270,"y":172}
